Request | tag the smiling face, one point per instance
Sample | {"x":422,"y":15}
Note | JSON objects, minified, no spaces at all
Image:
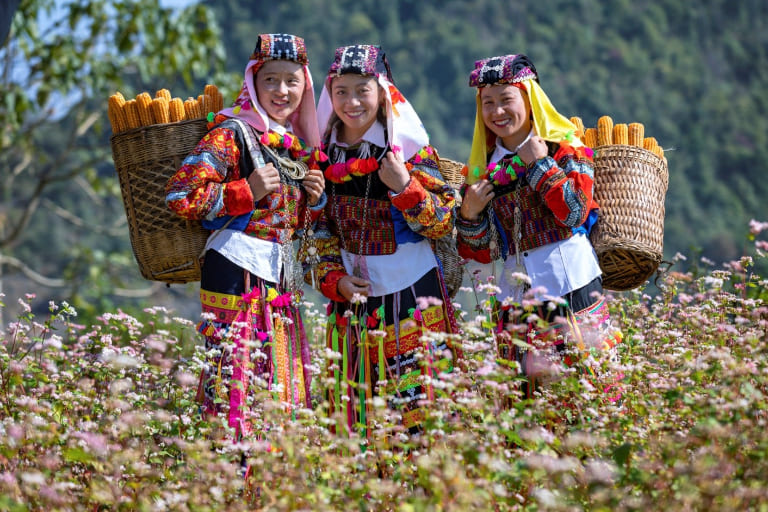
{"x":507,"y":113}
{"x":280,"y":87}
{"x":356,"y":101}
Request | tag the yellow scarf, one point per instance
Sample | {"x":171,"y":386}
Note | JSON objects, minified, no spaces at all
{"x":548,"y":124}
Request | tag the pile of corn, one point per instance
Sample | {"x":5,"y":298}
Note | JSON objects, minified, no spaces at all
{"x":144,"y":110}
{"x":607,"y":133}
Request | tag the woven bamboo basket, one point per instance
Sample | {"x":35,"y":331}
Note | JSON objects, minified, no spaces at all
{"x":630,"y":186}
{"x":166,"y":247}
{"x":445,"y":248}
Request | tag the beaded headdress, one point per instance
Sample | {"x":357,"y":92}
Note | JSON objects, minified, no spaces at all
{"x":405,"y":131}
{"x":519,"y":71}
{"x":360,"y":59}
{"x":506,"y":69}
{"x":247,"y":107}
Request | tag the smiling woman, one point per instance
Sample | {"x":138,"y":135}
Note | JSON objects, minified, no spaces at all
{"x":254,"y":181}
{"x":279,"y":86}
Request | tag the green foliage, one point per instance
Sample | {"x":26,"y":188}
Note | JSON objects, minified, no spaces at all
{"x":61,"y":214}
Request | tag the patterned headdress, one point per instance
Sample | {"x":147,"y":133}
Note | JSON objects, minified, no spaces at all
{"x":405,"y":130}
{"x":520,"y":72}
{"x":247,"y":106}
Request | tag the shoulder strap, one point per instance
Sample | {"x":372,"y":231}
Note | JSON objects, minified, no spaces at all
{"x":256,"y":155}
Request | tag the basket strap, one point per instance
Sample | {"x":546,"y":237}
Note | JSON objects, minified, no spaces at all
{"x":256,"y":155}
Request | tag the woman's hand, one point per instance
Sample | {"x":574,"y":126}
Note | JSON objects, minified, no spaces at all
{"x":351,"y":285}
{"x":314,"y":184}
{"x":263,"y":181}
{"x":393,"y":172}
{"x":476,"y":197}
{"x":533,"y":149}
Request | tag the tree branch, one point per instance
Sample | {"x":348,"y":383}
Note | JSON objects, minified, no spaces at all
{"x":134,"y":293}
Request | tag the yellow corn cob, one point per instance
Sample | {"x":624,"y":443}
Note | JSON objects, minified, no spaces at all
{"x":590,"y":137}
{"x":160,"y":110}
{"x":113,"y":122}
{"x":620,"y":134}
{"x":604,"y":131}
{"x":164,"y":93}
{"x":579,"y":127}
{"x":143,"y":104}
{"x":176,"y":110}
{"x":116,"y":114}
{"x":218,"y":100}
{"x":190,"y":108}
{"x":132,"y":114}
{"x":201,"y":106}
{"x":658,"y":151}
{"x":650,"y":143}
{"x":207,"y":104}
{"x":636,"y":134}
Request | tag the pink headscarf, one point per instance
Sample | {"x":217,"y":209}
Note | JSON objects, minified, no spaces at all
{"x":247,"y":107}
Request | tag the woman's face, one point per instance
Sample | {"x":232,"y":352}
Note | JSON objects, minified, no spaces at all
{"x":356,"y":101}
{"x":506,"y":112}
{"x":280,"y":87}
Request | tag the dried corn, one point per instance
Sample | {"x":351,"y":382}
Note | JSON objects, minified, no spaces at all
{"x":620,"y":134}
{"x":658,"y":151}
{"x":649,"y":143}
{"x":590,"y":137}
{"x":176,"y":110}
{"x":636,"y":134}
{"x":116,"y":113}
{"x":216,"y":97}
{"x":164,"y":93}
{"x":160,"y":110}
{"x":143,"y":104}
{"x":579,"y":127}
{"x":190,"y":108}
{"x":132,"y":114}
{"x":604,"y":131}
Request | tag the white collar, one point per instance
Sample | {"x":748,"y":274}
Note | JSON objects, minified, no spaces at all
{"x":278,"y":128}
{"x":501,"y":151}
{"x":374,"y":135}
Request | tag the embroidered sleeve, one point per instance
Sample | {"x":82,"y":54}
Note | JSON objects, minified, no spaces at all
{"x":208,"y":184}
{"x":427,"y":202}
{"x":473,"y":238}
{"x":565,"y":182}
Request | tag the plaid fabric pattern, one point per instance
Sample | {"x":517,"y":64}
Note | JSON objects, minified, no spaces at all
{"x":539,"y":225}
{"x":366,"y":224}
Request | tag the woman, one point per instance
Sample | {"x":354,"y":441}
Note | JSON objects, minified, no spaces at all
{"x":253,"y":178}
{"x":386,"y":201}
{"x":529,"y":200}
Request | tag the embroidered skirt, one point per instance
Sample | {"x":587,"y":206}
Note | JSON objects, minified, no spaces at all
{"x":587,"y":328}
{"x":382,"y":351}
{"x":254,"y":337}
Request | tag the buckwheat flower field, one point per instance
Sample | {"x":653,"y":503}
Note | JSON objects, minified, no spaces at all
{"x":104,"y":416}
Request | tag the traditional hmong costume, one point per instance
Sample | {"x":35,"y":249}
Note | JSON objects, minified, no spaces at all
{"x":539,"y":219}
{"x":251,"y":324}
{"x":370,"y":232}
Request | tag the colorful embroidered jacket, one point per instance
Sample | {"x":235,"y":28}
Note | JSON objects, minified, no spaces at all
{"x":212,"y":186}
{"x":368,"y":219}
{"x":555,"y":199}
